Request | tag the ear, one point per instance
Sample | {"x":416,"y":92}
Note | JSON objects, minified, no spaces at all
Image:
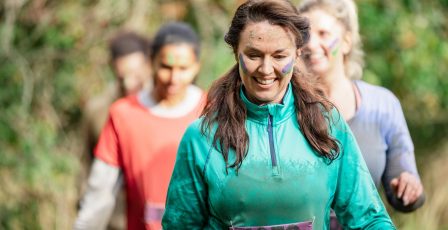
{"x":113,"y":66}
{"x":149,"y":65}
{"x":197,"y":67}
{"x":298,"y":53}
{"x":347,"y":43}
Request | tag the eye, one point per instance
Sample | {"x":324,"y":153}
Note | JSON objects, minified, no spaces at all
{"x":324,"y":33}
{"x":280,"y":57}
{"x":253,"y":56}
{"x":165,"y":66}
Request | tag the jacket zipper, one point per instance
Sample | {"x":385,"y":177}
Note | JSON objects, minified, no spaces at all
{"x":271,"y":146}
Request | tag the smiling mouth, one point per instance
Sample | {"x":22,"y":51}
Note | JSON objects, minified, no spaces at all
{"x":264,"y":81}
{"x":316,"y":56}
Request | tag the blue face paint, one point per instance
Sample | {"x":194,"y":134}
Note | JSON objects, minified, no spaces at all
{"x":332,"y":45}
{"x":288,"y":68}
{"x":242,"y":64}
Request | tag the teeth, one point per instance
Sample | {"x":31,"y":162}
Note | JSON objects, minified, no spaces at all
{"x":265,"y":81}
{"x":316,"y":55}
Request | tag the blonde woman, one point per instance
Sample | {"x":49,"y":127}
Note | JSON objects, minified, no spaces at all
{"x":373,"y":113}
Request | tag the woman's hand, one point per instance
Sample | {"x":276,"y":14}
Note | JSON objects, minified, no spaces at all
{"x":407,"y":187}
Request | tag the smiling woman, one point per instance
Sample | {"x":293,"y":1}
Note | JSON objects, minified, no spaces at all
{"x":139,"y":141}
{"x":373,"y":113}
{"x":269,"y":152}
{"x":175,"y":67}
{"x":266,"y":57}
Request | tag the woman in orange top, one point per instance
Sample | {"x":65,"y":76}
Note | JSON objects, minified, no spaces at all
{"x":140,"y":139}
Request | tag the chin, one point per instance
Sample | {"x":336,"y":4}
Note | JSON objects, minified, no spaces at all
{"x":264,"y":99}
{"x":131,"y":92}
{"x":319,"y":70}
{"x":174,"y":90}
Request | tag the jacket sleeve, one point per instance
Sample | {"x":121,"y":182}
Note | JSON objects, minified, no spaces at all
{"x":186,"y":205}
{"x":399,"y":156}
{"x":356,"y":202}
{"x":98,"y":202}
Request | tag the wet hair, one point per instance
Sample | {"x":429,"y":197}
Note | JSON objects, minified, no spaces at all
{"x":346,"y":13}
{"x":225,"y":108}
{"x":175,"y":33}
{"x":125,"y":43}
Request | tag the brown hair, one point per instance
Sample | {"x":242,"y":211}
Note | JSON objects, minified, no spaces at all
{"x":176,"y":33}
{"x":226,"y":109}
{"x":126,"y":42}
{"x":345,"y":12}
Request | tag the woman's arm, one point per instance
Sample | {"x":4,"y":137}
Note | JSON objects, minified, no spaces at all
{"x":357,"y":203}
{"x":186,"y":205}
{"x":400,"y":180}
{"x":98,"y":202}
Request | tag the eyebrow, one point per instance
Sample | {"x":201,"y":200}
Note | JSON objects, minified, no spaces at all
{"x":253,"y":49}
{"x":165,"y":65}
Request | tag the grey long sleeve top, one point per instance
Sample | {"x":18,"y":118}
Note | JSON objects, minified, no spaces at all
{"x":382,"y":134}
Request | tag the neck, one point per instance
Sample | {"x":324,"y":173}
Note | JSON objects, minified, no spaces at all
{"x":168,"y":101}
{"x":335,"y":85}
{"x":121,"y":92}
{"x":333,"y":78}
{"x":339,"y":90}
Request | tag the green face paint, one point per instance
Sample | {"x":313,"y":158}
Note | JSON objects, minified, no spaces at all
{"x":242,"y":64}
{"x":334,"y":52}
{"x":171,"y":59}
{"x":332,"y":45}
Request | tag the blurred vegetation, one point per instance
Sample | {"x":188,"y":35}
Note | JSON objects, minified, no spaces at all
{"x":434,"y":214}
{"x":407,"y":51}
{"x":53,"y":58}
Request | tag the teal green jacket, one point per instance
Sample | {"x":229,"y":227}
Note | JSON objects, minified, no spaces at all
{"x":282,"y":180}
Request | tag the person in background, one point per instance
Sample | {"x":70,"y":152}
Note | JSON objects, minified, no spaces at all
{"x":373,"y":113}
{"x":130,"y":63}
{"x":139,"y":141}
{"x":269,"y":151}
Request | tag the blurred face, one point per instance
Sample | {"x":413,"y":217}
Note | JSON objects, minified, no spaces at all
{"x":328,"y":43}
{"x":175,"y":68}
{"x":132,"y":72}
{"x":266,"y":55}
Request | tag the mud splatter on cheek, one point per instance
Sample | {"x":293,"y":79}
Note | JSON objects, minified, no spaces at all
{"x":332,"y":47}
{"x":243,"y":64}
{"x":288,"y":67}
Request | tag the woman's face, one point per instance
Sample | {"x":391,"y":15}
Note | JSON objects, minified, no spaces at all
{"x":266,"y":56}
{"x":175,"y":68}
{"x":328,"y":42}
{"x":133,"y":71}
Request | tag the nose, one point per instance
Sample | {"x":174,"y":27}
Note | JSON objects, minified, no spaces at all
{"x":267,"y":66}
{"x":313,"y":42}
{"x":312,"y":46}
{"x":175,"y":76}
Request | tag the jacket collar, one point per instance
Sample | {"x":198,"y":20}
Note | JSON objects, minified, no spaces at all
{"x":278,"y":111}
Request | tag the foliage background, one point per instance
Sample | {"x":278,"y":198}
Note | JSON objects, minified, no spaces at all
{"x":53,"y":58}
